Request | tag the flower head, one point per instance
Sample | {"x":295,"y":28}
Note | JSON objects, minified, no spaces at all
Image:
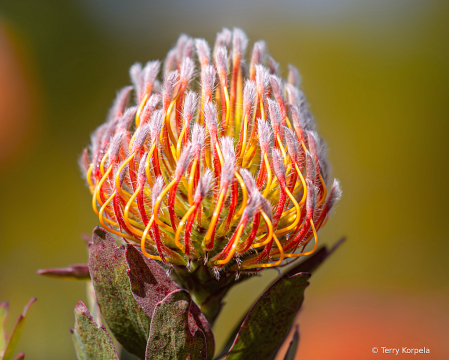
{"x":219,"y":163}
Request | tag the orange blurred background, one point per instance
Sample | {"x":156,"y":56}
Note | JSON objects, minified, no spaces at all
{"x":377,"y":77}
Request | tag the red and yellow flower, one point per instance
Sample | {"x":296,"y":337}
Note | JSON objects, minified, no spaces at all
{"x":219,"y":162}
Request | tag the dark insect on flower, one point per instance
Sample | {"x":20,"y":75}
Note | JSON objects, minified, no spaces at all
{"x":220,"y":164}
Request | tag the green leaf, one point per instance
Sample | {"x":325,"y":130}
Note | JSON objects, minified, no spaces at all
{"x":293,"y":347}
{"x":268,"y":322}
{"x":124,"y":316}
{"x":17,"y":331}
{"x":150,"y":284}
{"x":4,"y":308}
{"x":92,"y":342}
{"x":73,"y":272}
{"x":170,"y":336}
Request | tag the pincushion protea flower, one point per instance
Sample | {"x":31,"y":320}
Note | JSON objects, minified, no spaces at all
{"x":219,"y":163}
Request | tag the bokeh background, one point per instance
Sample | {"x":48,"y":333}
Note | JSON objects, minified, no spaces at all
{"x":377,"y":77}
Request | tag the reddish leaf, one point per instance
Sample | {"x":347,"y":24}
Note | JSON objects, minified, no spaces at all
{"x":21,"y":356}
{"x":86,"y":237}
{"x":310,"y":264}
{"x":15,"y":336}
{"x":91,"y":341}
{"x":170,"y":336}
{"x":268,"y":322}
{"x":149,"y":282}
{"x":197,"y":320}
{"x":125,"y":318}
{"x":314,"y":260}
{"x":73,"y":272}
{"x":150,"y":285}
{"x":293,"y":347}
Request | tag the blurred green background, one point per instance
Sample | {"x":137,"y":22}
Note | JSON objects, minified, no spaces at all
{"x":376,"y":74}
